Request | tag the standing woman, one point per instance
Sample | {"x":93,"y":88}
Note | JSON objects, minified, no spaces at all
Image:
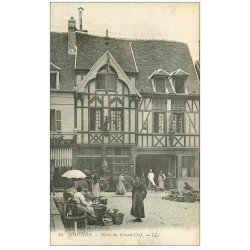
{"x":161,"y":180}
{"x":121,"y":187}
{"x":96,"y":187}
{"x":139,"y":193}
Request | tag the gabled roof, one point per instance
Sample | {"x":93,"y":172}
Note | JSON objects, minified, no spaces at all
{"x":179,"y":72}
{"x":91,"y":48}
{"x":114,"y":64}
{"x":159,"y":72}
{"x":167,"y":55}
{"x":145,"y":55}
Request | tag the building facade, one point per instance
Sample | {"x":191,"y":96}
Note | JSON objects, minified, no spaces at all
{"x":126,"y":105}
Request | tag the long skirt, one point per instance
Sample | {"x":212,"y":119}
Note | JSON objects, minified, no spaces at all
{"x":161,"y":184}
{"x":90,"y":210}
{"x":137,"y":209}
{"x":121,"y":188}
{"x":96,"y":190}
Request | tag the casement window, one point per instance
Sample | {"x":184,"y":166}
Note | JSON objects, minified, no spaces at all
{"x":178,"y":104}
{"x":160,"y":84}
{"x":111,"y":80}
{"x":116,"y":119}
{"x":54,"y":80}
{"x":106,"y":80}
{"x":178,"y":122}
{"x":100,"y":82}
{"x":158,"y":122}
{"x":95,"y":119}
{"x":55,"y":120}
{"x":188,"y":168}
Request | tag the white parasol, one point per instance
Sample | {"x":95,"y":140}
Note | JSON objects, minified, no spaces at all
{"x":74,"y":174}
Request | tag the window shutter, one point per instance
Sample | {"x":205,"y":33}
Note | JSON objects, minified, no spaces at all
{"x":52,"y":120}
{"x":92,"y":119}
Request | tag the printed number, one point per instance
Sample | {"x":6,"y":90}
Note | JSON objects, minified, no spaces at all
{"x":60,"y":234}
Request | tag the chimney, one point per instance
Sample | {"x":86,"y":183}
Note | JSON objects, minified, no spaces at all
{"x":72,"y":36}
{"x":80,"y":20}
{"x":80,"y":17}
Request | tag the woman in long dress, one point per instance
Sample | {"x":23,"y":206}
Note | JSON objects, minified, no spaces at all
{"x":121,"y":189}
{"x":161,"y":180}
{"x":96,"y":187}
{"x":139,"y":193}
{"x":82,"y":204}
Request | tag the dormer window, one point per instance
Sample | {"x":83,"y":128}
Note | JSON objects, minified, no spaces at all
{"x":159,"y":80}
{"x":160,"y":84}
{"x":178,"y":79}
{"x":106,"y":80}
{"x":54,"y":76}
{"x":180,"y":84}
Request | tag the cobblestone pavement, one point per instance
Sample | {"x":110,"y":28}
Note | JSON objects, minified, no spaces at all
{"x":158,"y":212}
{"x":163,"y":217}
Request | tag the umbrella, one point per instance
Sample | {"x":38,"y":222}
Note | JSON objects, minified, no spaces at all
{"x":74,"y":174}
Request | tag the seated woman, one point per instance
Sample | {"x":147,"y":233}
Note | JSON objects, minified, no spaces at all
{"x":82,"y":204}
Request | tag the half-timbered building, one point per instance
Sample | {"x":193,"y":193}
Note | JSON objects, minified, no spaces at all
{"x":127,"y":105}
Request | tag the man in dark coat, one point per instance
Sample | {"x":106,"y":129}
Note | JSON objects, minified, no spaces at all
{"x":139,"y":193}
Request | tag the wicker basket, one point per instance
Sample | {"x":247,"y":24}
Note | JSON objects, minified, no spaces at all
{"x":190,"y":198}
{"x":117,"y":219}
{"x":180,"y":198}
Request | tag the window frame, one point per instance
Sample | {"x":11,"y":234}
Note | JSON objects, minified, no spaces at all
{"x":104,"y":73}
{"x":177,"y":82}
{"x":57,"y":79}
{"x":164,"y":122}
{"x":156,"y":84}
{"x":95,"y":122}
{"x":176,"y":129}
{"x":56,"y":120}
{"x":122,"y":119}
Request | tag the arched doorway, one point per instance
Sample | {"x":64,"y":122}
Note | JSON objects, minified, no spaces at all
{"x":158,"y":162}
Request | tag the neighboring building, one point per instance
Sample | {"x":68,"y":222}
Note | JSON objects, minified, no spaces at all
{"x":129,"y":104}
{"x":197,"y":68}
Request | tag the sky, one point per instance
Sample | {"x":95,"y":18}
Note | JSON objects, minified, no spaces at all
{"x":167,"y":21}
